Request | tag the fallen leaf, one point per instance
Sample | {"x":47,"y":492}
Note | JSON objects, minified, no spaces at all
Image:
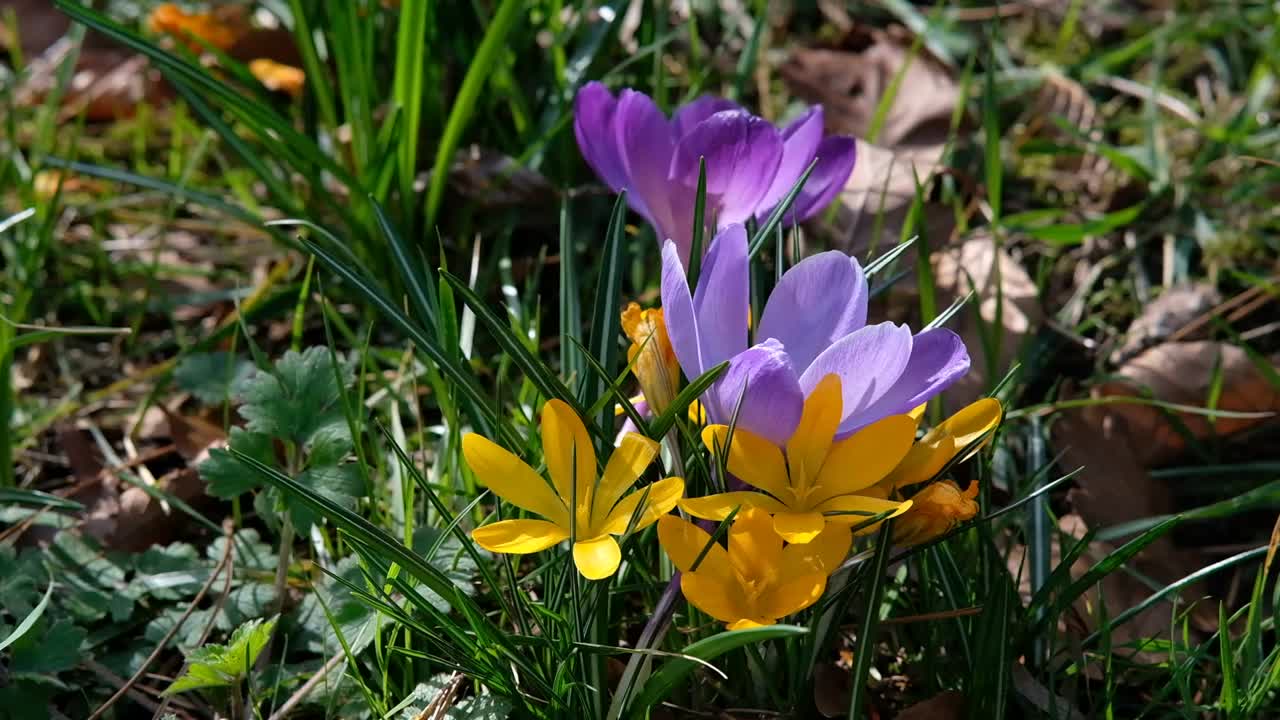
{"x":1182,"y":373}
{"x":1174,"y":309}
{"x":221,"y":28}
{"x":278,"y":77}
{"x":831,"y":690}
{"x":948,"y":705}
{"x":1003,"y":292}
{"x":494,"y":180}
{"x":850,"y":84}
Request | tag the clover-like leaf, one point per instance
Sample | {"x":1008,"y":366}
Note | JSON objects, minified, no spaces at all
{"x":225,"y":665}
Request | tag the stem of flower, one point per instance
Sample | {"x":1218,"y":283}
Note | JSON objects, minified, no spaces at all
{"x":870,"y":621}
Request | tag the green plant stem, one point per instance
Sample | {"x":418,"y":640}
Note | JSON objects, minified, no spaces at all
{"x":6,"y":410}
{"x":870,"y":621}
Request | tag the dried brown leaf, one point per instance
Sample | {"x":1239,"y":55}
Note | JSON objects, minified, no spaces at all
{"x":948,"y":705}
{"x":1182,"y":373}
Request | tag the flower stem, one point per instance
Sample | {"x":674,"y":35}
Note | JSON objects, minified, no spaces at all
{"x":870,"y":621}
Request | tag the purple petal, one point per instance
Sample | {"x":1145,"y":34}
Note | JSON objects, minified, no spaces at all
{"x":765,"y":381}
{"x":800,"y":143}
{"x":938,"y":359}
{"x":678,"y":312}
{"x":629,"y":425}
{"x":868,"y":361}
{"x":695,"y":112}
{"x":645,"y":145}
{"x":593,"y":113}
{"x":836,"y":156}
{"x":817,"y":302}
{"x":721,"y":301}
{"x":742,"y":152}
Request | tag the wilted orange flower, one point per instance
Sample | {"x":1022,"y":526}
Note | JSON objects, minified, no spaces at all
{"x":653,"y":360}
{"x":935,"y":510}
{"x":278,"y":77}
{"x":220,"y":29}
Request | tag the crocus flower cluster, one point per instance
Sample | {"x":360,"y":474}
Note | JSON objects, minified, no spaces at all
{"x":814,"y":324}
{"x":751,"y":165}
{"x":815,"y":419}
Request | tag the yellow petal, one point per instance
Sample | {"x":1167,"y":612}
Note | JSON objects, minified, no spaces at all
{"x":808,"y":446}
{"x":746,"y":624}
{"x":512,"y":480}
{"x":597,"y":558}
{"x":652,"y":359}
{"x":627,"y":462}
{"x":721,"y":600}
{"x":752,"y":459}
{"x":659,"y":499}
{"x":857,"y":509}
{"x":798,"y":527}
{"x":971,"y":423}
{"x":792,"y":596}
{"x":864,"y":458}
{"x":564,"y":437}
{"x":917,"y":412}
{"x":684,"y":542}
{"x":518,"y":536}
{"x":824,"y":554}
{"x":754,"y":548}
{"x":718,"y":507}
{"x":925,"y":459}
{"x":935,"y":510}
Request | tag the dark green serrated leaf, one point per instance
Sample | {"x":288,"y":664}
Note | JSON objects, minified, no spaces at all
{"x":211,"y":376}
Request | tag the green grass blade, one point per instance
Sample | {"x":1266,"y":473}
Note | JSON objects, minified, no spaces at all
{"x":481,"y":69}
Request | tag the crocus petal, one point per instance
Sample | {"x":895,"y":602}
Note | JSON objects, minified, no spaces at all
{"x":925,"y":459}
{"x":857,"y":509}
{"x":564,"y":440}
{"x":518,"y":536}
{"x":512,"y":480}
{"x":678,"y":311}
{"x":938,"y":358}
{"x":754,"y":548}
{"x":864,"y":458}
{"x":659,"y":499}
{"x":836,"y":157}
{"x":685,"y":542}
{"x":720,"y":506}
{"x":817,"y":302}
{"x":722,"y":301}
{"x":645,"y":146}
{"x":824,"y":553}
{"x":628,"y":426}
{"x":869,"y":361}
{"x":793,"y":596}
{"x":972,"y":423}
{"x":721,"y":600}
{"x":798,"y":527}
{"x":742,"y":153}
{"x":628,"y":461}
{"x":593,"y":113}
{"x":760,"y":387}
{"x":752,"y":459}
{"x":800,"y":142}
{"x":698,"y":110}
{"x":597,"y":558}
{"x":808,"y":446}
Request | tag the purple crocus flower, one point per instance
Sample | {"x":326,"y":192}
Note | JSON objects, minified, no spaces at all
{"x":814,"y":324}
{"x":751,"y":165}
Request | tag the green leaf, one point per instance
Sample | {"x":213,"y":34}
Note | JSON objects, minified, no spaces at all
{"x":340,"y":484}
{"x":30,"y":620}
{"x":225,"y":476}
{"x":674,"y":671}
{"x":225,"y":665}
{"x":296,"y":398}
{"x":48,"y":648}
{"x":211,"y":376}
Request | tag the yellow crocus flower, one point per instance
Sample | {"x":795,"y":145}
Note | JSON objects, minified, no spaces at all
{"x":935,"y":510}
{"x":601,"y":509}
{"x":756,"y":580}
{"x":818,"y":481}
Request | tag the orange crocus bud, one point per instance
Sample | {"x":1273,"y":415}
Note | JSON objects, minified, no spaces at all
{"x":652,"y":359}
